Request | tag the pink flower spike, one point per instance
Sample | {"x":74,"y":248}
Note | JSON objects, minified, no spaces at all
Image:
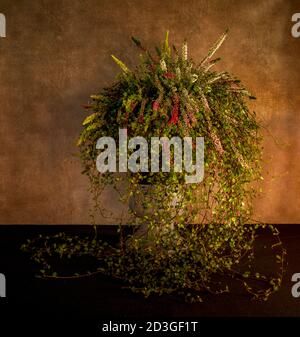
{"x":155,"y":106}
{"x":169,"y":75}
{"x":174,"y":118}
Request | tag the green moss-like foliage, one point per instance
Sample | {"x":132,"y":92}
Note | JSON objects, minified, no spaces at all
{"x":170,"y":95}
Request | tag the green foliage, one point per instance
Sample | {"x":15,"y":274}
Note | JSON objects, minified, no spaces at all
{"x":170,"y":95}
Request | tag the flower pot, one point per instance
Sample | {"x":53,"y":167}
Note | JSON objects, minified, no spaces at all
{"x":138,"y":206}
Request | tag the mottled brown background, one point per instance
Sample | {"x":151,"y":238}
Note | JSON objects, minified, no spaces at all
{"x":56,"y":53}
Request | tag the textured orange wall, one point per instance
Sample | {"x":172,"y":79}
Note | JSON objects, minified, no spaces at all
{"x":58,"y":52}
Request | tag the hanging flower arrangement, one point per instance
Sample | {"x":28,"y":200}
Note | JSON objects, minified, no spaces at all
{"x":191,"y":233}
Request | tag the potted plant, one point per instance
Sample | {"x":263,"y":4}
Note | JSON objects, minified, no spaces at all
{"x":186,"y":233}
